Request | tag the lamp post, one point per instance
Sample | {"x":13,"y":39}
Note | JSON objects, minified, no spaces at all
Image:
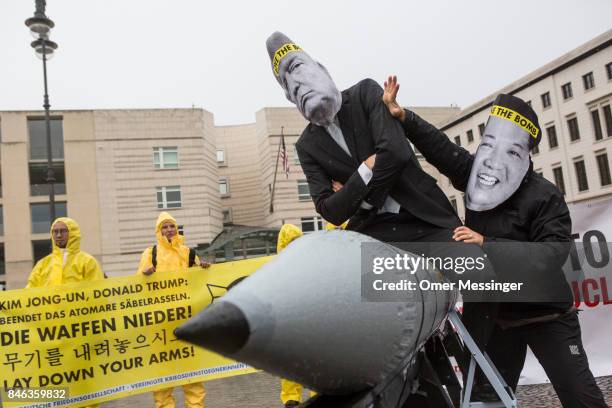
{"x":40,"y":27}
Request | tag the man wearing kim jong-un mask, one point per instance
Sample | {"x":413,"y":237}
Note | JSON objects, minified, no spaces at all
{"x":523,"y":224}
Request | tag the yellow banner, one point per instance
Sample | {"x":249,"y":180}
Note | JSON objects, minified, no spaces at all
{"x":97,"y":341}
{"x":282,"y":53}
{"x":516,"y":118}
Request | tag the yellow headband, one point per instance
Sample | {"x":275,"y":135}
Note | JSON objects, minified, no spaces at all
{"x":516,"y":118}
{"x":281,"y":53}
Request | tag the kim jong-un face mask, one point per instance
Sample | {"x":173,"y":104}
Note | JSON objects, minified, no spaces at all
{"x":502,"y":159}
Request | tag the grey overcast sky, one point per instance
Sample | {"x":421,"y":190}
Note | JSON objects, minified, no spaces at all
{"x":211,"y":54}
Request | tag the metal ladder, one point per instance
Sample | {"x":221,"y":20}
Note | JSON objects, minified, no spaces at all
{"x":480,"y":358}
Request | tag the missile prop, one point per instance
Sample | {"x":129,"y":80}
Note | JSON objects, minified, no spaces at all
{"x":301,"y":316}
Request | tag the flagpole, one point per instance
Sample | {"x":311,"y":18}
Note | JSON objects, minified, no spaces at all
{"x":275,"y":171}
{"x":285,"y":157}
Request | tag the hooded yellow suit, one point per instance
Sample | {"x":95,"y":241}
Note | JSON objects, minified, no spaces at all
{"x":78,"y":266}
{"x":172,"y":256}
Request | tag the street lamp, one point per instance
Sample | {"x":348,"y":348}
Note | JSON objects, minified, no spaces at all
{"x":40,"y":27}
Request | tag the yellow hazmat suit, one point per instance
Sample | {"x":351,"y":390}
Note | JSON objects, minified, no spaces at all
{"x":329,"y":226}
{"x":78,"y":266}
{"x":290,"y":391}
{"x":66,"y":266}
{"x":172,"y":256}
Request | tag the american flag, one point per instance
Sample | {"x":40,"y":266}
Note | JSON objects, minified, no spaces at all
{"x":283,"y":154}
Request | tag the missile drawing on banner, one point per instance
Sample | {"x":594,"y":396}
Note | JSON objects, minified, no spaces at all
{"x":301,"y":316}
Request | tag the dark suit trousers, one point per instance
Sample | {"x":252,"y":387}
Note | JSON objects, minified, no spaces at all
{"x":557,"y":344}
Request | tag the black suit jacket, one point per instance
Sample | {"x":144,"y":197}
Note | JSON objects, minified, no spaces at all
{"x":369,"y":128}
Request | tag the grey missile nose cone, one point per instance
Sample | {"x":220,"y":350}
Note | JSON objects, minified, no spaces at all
{"x":306,"y":320}
{"x":223,"y":328}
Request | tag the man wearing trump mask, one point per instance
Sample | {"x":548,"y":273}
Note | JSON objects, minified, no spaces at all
{"x":523,"y":224}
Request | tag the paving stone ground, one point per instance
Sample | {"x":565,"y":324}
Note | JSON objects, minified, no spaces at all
{"x":262,"y":390}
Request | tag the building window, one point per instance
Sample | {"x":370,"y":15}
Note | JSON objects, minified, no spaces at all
{"x":559,"y":182}
{"x":470,"y":136}
{"x":41,"y":219}
{"x":165,"y":157}
{"x":604,"y":169}
{"x":453,"y":202}
{"x":583,"y":183}
{"x":40,"y":249}
{"x":310,"y":224}
{"x":37,"y":165}
{"x":458,"y":140}
{"x":572,"y":125}
{"x":169,"y":197}
{"x":481,"y":129}
{"x":38,"y":178}
{"x":551,"y":131}
{"x":37,"y":132}
{"x":303,"y":190}
{"x":566,"y":90}
{"x":1,"y":221}
{"x":608,"y":119}
{"x":588,"y":81}
{"x":224,"y":187}
{"x":535,"y":150}
{"x":596,"y":124}
{"x":609,"y":70}
{"x":221,"y":157}
{"x":545,"y":100}
{"x":227,"y":216}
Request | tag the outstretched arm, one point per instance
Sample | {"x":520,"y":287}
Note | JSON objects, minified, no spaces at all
{"x":451,"y":160}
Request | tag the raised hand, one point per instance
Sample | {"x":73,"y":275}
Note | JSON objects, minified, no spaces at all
{"x":390,"y":97}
